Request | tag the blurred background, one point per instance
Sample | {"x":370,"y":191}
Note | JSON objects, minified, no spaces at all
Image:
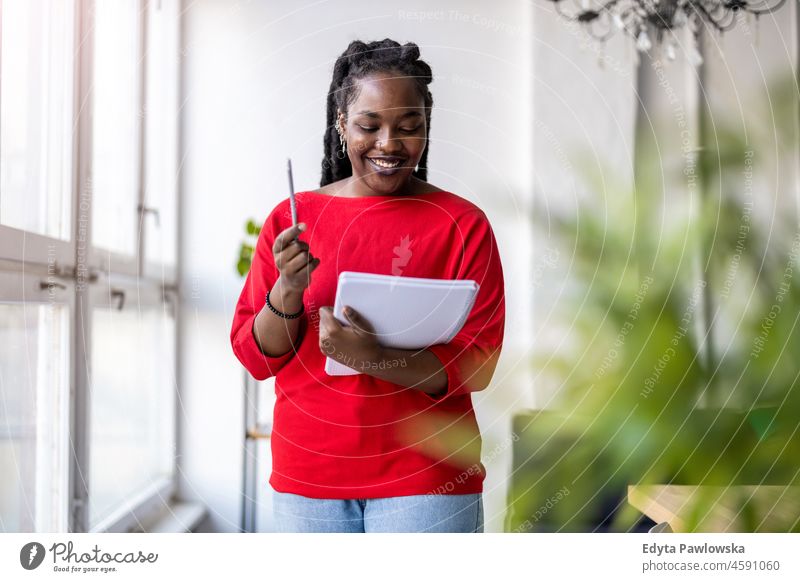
{"x":650,"y":189}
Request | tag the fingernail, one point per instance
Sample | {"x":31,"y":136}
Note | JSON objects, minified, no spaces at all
{"x":301,"y":226}
{"x":348,"y":310}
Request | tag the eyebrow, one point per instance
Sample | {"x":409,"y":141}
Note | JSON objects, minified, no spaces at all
{"x":375,"y":115}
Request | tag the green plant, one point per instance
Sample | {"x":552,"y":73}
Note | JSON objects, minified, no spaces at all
{"x":643,"y":398}
{"x":247,"y":248}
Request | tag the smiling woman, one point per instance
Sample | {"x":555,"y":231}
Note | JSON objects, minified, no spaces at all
{"x":379,"y":107}
{"x":395,"y":447}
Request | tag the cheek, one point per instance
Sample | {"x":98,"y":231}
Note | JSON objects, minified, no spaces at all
{"x":415,"y":146}
{"x":358,"y":147}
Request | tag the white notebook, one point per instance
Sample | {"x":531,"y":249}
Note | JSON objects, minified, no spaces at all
{"x":407,"y":312}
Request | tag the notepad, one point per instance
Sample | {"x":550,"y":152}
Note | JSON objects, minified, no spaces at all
{"x":407,"y":312}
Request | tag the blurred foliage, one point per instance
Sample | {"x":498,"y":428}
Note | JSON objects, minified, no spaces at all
{"x":247,"y":248}
{"x":643,"y":399}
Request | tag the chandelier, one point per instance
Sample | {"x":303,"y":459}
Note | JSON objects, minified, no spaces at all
{"x":648,"y":19}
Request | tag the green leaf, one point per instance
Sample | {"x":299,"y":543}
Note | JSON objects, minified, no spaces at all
{"x":253,"y":228}
{"x":243,"y":266}
{"x":246,"y":251}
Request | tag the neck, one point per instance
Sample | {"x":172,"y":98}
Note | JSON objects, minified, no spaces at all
{"x":357,"y":188}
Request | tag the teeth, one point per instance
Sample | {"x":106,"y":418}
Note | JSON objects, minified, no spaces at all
{"x":383,"y":164}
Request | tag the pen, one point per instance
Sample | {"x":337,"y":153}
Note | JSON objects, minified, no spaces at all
{"x":291,"y":192}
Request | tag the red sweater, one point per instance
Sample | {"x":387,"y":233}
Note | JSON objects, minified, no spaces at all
{"x":356,"y":437}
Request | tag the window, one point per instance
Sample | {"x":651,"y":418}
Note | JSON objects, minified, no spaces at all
{"x":132,"y":416}
{"x":34,"y":383}
{"x":161,"y":133}
{"x":88,"y":197}
{"x":116,"y":131}
{"x":36,"y":60}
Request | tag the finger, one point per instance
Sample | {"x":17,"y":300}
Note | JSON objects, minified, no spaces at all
{"x":329,"y":323}
{"x":298,"y":262}
{"x":304,"y":274}
{"x":326,"y":346}
{"x":309,"y":267}
{"x":284,"y":259}
{"x":295,"y":248}
{"x":359,"y":323}
{"x":285,"y":238}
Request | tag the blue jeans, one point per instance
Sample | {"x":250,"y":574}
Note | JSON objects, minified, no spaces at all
{"x":408,"y":513}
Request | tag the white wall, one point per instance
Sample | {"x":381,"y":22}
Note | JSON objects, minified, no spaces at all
{"x":256,"y":79}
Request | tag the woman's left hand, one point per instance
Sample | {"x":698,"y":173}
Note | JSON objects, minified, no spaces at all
{"x":355,"y":346}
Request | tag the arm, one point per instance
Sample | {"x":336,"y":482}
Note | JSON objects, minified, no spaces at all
{"x":467,"y":363}
{"x":413,"y":368}
{"x":277,"y":337}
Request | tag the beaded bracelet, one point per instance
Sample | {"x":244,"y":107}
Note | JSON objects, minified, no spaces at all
{"x":284,"y":315}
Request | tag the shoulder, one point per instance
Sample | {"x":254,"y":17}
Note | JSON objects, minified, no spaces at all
{"x":462,"y":209}
{"x":458,"y":205}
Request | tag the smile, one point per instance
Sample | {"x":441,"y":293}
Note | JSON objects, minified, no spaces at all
{"x":386,"y":165}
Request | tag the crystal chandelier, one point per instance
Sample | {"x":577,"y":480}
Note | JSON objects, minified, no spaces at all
{"x":645,"y":19}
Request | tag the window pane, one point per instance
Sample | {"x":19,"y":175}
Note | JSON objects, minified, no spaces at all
{"x":132,"y":405}
{"x":115,"y":155}
{"x":34,"y":417}
{"x":161,"y":168}
{"x":36,"y":60}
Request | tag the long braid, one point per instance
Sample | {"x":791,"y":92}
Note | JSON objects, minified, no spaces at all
{"x":358,"y":61}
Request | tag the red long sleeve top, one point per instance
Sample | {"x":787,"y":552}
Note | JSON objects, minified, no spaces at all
{"x":356,"y":437}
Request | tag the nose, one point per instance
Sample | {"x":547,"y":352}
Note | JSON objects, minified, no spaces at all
{"x":389,"y":144}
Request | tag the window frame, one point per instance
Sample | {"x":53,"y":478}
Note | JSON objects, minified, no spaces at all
{"x":151,"y":269}
{"x":83,"y":269}
{"x":102,"y":259}
{"x":155,"y":498}
{"x":25,"y":287}
{"x":18,"y":245}
{"x":120,"y":270}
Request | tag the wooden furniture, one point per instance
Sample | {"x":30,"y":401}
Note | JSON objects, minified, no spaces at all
{"x":738,"y":508}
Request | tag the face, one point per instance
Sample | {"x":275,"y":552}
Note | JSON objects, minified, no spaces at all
{"x":385,"y":131}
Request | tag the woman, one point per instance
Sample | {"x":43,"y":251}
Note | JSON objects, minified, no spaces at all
{"x":396,"y":447}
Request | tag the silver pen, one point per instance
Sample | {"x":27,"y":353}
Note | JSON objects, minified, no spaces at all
{"x":291,"y":193}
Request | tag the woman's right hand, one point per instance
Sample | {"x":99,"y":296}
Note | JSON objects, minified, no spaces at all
{"x":293,"y":259}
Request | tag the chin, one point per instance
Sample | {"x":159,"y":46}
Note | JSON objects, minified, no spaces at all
{"x":387,"y":184}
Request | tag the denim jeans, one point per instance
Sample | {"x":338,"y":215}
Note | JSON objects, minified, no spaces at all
{"x":408,"y":513}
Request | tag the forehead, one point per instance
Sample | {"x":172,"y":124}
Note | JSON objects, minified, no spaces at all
{"x":387,"y":94}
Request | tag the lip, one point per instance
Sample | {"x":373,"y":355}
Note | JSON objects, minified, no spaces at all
{"x":386,"y":171}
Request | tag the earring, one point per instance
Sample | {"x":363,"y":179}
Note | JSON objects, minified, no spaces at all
{"x":342,"y":141}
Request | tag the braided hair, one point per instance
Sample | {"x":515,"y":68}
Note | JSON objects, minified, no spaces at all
{"x":358,"y":61}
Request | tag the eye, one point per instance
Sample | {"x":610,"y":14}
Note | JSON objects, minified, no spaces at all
{"x":368,"y":129}
{"x":411,"y":130}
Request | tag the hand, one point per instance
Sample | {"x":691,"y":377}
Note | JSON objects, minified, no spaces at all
{"x":355,"y":346}
{"x":293,"y":259}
